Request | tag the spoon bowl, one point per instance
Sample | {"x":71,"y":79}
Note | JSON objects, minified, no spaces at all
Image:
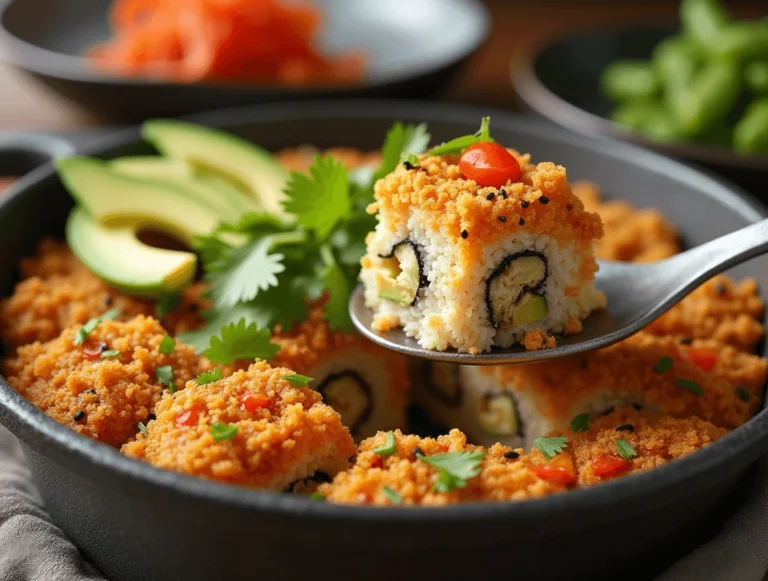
{"x":637,"y":294}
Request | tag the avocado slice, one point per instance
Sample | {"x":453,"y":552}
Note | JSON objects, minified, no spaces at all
{"x":210,"y":190}
{"x":532,"y":307}
{"x":498,"y":414}
{"x":517,"y":273}
{"x":251,"y":168}
{"x":117,"y":256}
{"x":405,"y":274}
{"x":112,"y":197}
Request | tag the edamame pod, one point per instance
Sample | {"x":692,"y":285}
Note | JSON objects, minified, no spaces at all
{"x":756,"y":77}
{"x":649,"y":118}
{"x":703,"y":20}
{"x":629,"y":79}
{"x":744,"y":41}
{"x":751,"y":132}
{"x":676,"y":61}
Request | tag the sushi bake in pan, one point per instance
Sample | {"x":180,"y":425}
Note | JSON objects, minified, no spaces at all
{"x":252,"y":375}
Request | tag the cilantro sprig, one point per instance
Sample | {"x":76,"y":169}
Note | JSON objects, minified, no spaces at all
{"x":625,"y":449}
{"x":164,"y":375}
{"x":454,"y":468}
{"x":241,"y":341}
{"x":298,"y":380}
{"x":208,"y":376}
{"x":459,"y":144}
{"x":90,"y":326}
{"x":389,"y":447}
{"x":552,"y":446}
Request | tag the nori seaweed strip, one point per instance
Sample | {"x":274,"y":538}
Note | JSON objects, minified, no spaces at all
{"x":451,"y":399}
{"x":500,"y":270}
{"x":423,"y":281}
{"x":364,"y":387}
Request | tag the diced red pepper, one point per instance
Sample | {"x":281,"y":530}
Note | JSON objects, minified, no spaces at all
{"x":252,"y":402}
{"x":188,"y":417}
{"x":608,"y":466}
{"x":703,"y":357}
{"x":555,"y":474}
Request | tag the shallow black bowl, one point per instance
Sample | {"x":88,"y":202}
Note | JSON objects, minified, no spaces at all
{"x":137,"y":522}
{"x":561,"y":81}
{"x":414,"y":49}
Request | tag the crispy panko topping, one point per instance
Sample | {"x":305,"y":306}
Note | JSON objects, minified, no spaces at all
{"x":253,"y":429}
{"x":301,"y":158}
{"x":101,"y":398}
{"x":686,"y":386}
{"x":656,"y":439}
{"x":374,"y":477}
{"x":720,"y":309}
{"x":631,"y":234}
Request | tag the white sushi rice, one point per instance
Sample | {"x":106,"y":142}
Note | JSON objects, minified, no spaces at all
{"x":451,"y":311}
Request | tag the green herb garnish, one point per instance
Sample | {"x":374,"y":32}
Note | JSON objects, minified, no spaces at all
{"x":580,"y":423}
{"x":164,"y":375}
{"x":109,"y":353}
{"x":461,"y":143}
{"x":742,"y":393}
{"x":143,"y":429}
{"x":241,"y":341}
{"x":167,"y":303}
{"x":691,"y":386}
{"x":393,"y":495}
{"x":401,"y":140}
{"x":208,"y":376}
{"x":454,"y":468}
{"x":410,"y":158}
{"x":663,"y":365}
{"x":317,"y":496}
{"x":167,"y":345}
{"x":626,"y":450}
{"x":91,"y":324}
{"x":389,"y":447}
{"x":552,"y":446}
{"x":223,"y":432}
{"x":297,"y":380}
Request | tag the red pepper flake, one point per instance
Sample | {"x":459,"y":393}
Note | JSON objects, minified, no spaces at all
{"x":377,"y":461}
{"x":608,"y":466}
{"x":188,"y":417}
{"x":253,"y":402}
{"x":702,"y":357}
{"x":555,"y":474}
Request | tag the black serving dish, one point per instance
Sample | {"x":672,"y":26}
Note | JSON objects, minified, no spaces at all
{"x":414,"y":48}
{"x":561,"y":81}
{"x":136,"y":522}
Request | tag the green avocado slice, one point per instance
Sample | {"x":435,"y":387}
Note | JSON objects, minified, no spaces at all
{"x":111,"y":197}
{"x":117,"y":256}
{"x":532,"y":307}
{"x":248,"y":166}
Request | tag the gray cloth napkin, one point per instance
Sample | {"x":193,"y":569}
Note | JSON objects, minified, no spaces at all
{"x":32,"y":548}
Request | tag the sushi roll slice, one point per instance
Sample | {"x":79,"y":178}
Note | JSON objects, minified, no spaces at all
{"x":462,"y":266}
{"x":366,"y":384}
{"x":253,"y":428}
{"x":386,"y":475}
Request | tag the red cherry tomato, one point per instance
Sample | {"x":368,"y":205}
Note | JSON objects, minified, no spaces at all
{"x":93,"y":351}
{"x":703,"y":357}
{"x":252,"y":402}
{"x":188,"y":417}
{"x":608,"y":466}
{"x":555,"y":474}
{"x":489,"y":164}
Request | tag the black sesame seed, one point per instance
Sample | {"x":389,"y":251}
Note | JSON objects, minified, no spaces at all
{"x":544,"y":200}
{"x":502,"y":218}
{"x":521,"y":221}
{"x":685,"y":340}
{"x":637,"y":406}
{"x":464,"y":234}
{"x":90,"y":391}
{"x":108,"y":300}
{"x":352,"y":459}
{"x":720,"y":289}
{"x":103,"y":347}
{"x":569,"y":207}
{"x":625,"y":428}
{"x":408,"y":165}
{"x":151,"y":417}
{"x":490,"y":196}
{"x":418,"y":452}
{"x":511,"y":455}
{"x":79,"y":416}
{"x":525,"y":204}
{"x":609,"y":411}
{"x":742,"y":393}
{"x":503,"y":193}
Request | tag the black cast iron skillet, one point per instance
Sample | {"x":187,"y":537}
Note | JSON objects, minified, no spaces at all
{"x":136,"y":522}
{"x":414,"y":49}
{"x":561,"y":81}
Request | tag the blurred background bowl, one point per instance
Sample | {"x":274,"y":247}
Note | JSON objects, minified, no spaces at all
{"x":414,"y":50}
{"x":560,"y":80}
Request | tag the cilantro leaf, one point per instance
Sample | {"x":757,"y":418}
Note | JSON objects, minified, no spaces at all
{"x":392,"y":495}
{"x":339,"y":290}
{"x":389,"y":447}
{"x":167,"y":345}
{"x":167,"y":303}
{"x":454,"y":468}
{"x":297,"y":380}
{"x":164,"y":375}
{"x":223,"y":432}
{"x":400,"y":139}
{"x":219,"y":317}
{"x":209,"y":376}
{"x":626,"y":450}
{"x":459,"y":144}
{"x":244,"y":272}
{"x":551,"y":447}
{"x":321,"y":199}
{"x":240,"y":341}
{"x":410,"y":158}
{"x":90,"y":326}
{"x":580,"y":423}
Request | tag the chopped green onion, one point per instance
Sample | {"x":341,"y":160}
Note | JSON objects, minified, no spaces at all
{"x":742,"y":393}
{"x":389,"y":447}
{"x":317,"y":496}
{"x":223,"y":432}
{"x":297,"y":380}
{"x":209,"y":376}
{"x":691,"y":386}
{"x":143,"y":429}
{"x":393,"y":495}
{"x":663,"y":365}
{"x":109,"y":353}
{"x":164,"y":375}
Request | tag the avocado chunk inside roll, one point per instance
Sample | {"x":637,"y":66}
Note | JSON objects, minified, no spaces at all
{"x":509,"y":292}
{"x":350,"y":395}
{"x":405,"y":276}
{"x":497,"y":414}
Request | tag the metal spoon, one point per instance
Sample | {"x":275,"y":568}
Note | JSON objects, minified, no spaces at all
{"x":637,"y":294}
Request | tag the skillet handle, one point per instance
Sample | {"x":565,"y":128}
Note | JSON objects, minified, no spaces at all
{"x":23,"y":152}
